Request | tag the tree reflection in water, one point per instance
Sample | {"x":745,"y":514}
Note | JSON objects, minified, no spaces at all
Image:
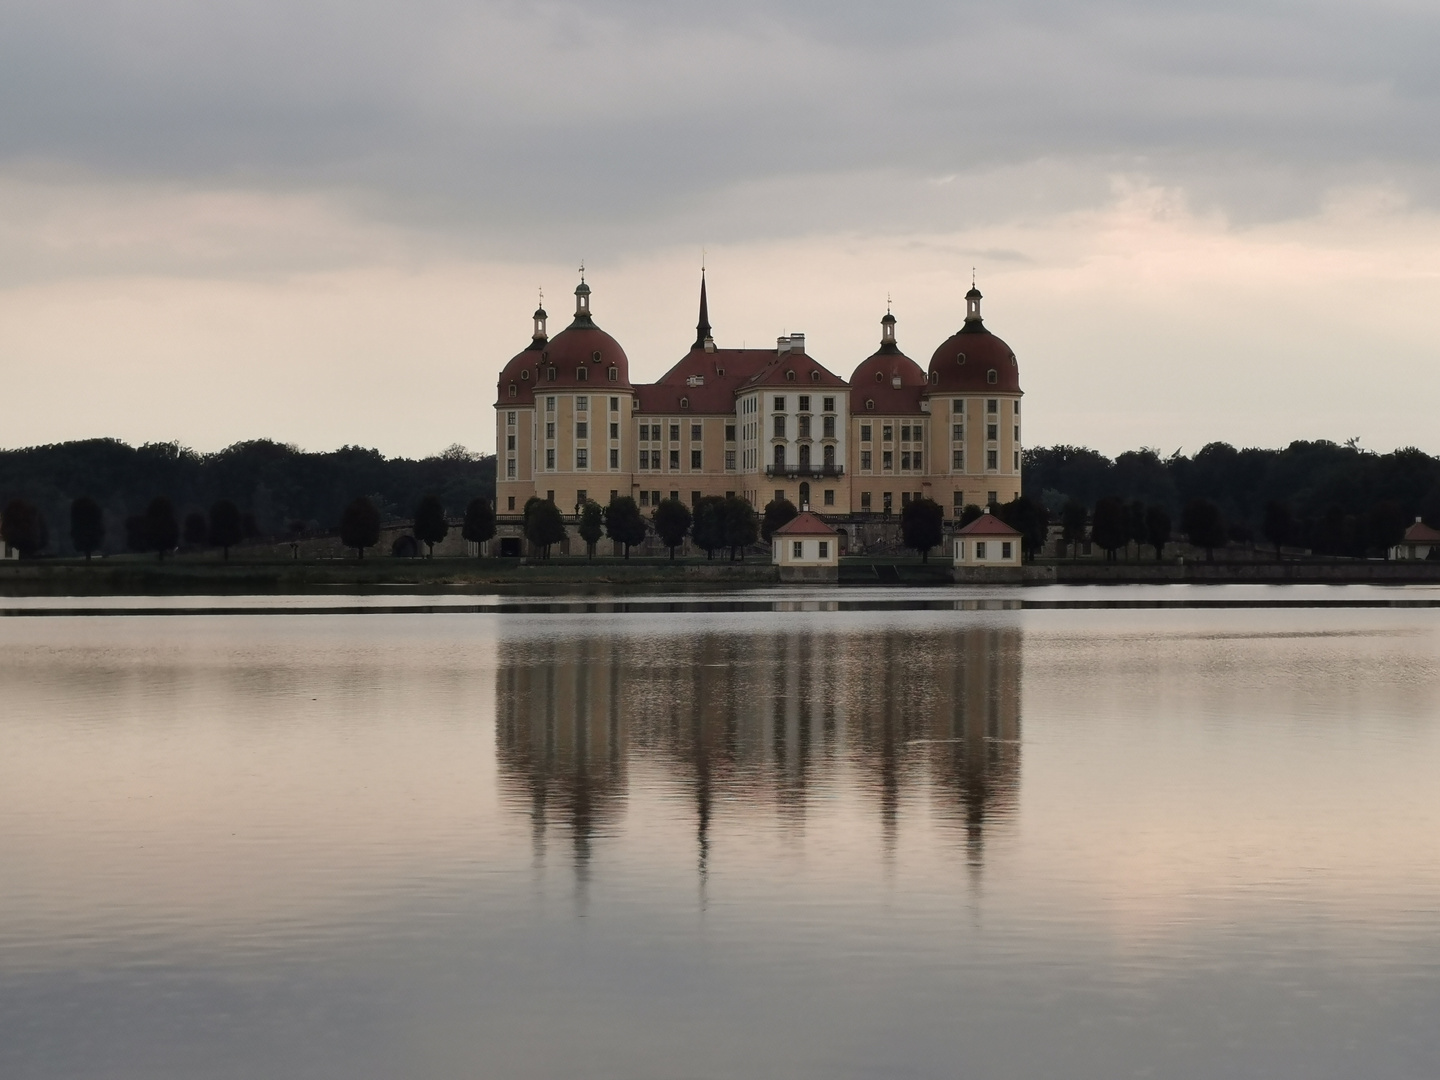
{"x":759,"y":720}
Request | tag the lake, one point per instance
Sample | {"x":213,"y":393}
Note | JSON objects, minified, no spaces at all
{"x":1054,"y":832}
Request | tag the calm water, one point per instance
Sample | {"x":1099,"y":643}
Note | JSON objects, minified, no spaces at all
{"x":999,"y":841}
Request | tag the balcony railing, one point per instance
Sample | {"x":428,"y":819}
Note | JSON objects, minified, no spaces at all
{"x":794,"y":471}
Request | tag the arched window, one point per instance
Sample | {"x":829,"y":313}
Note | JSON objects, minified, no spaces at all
{"x":684,"y":403}
{"x":804,"y":455}
{"x":582,"y":374}
{"x":512,"y":389}
{"x":829,"y":457}
{"x":614,"y":374}
{"x":789,"y":376}
{"x":879,"y":376}
{"x":814,"y":376}
{"x":992,"y":376}
{"x":804,"y":496}
{"x":550,"y":374}
{"x":780,"y":456}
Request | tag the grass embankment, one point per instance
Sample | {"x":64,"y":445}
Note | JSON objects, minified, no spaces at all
{"x":140,"y":575}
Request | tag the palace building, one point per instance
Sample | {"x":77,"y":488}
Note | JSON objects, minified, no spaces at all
{"x":571,"y":426}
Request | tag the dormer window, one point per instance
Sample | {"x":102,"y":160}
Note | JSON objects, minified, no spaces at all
{"x":814,"y":376}
{"x":512,"y":390}
{"x":684,"y":403}
{"x":614,"y":374}
{"x":595,"y":356}
{"x":992,"y":376}
{"x":960,"y":359}
{"x":550,"y":374}
{"x":879,"y":376}
{"x":582,"y":374}
{"x":789,"y":376}
{"x":870,"y":403}
{"x":525,"y":375}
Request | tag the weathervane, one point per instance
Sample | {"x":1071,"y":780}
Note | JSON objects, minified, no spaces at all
{"x":582,"y":271}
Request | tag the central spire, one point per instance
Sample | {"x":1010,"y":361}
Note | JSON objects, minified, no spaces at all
{"x":582,"y":302}
{"x":703,"y":340}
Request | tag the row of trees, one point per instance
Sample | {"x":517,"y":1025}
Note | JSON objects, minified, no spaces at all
{"x":715,"y":524}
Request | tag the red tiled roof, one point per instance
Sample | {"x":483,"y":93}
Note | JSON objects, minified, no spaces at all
{"x":805,"y":524}
{"x":963,"y":363}
{"x":987,"y":524}
{"x":806,"y":372}
{"x":1420,"y":533}
{"x":582,"y":344}
{"x":722,"y":371}
{"x":874,"y":381}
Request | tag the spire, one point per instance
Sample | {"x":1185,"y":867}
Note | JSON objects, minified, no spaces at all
{"x":703,"y":340}
{"x":540,"y":336}
{"x":582,"y":301}
{"x":973,"y":322}
{"x":887,"y":332}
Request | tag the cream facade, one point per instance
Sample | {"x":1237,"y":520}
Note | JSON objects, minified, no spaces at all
{"x":760,"y":423}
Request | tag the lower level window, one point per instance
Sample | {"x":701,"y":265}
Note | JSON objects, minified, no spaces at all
{"x":1005,"y":550}
{"x":510,"y":468}
{"x":798,"y":549}
{"x":864,"y":500}
{"x":675,"y":459}
{"x":550,"y":459}
{"x":979,"y":549}
{"x":582,"y":459}
{"x":992,"y":459}
{"x":615,"y":459}
{"x":824,"y":549}
{"x":829,"y":496}
{"x":957,"y":460}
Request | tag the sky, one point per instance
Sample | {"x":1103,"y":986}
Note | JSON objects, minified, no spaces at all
{"x":328,"y":223}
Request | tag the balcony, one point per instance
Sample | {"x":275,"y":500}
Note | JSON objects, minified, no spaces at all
{"x":804,"y":472}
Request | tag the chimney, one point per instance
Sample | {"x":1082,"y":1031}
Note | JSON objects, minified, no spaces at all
{"x":782,"y":345}
{"x":797,"y":343}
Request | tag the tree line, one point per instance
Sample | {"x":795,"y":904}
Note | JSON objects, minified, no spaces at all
{"x":278,"y":492}
{"x":1331,"y":498}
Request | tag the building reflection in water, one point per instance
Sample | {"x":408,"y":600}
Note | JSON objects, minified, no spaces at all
{"x":759,"y":720}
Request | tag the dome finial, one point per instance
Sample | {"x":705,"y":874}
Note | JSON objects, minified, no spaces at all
{"x":887,"y":330}
{"x":972,"y":303}
{"x":540,"y":335}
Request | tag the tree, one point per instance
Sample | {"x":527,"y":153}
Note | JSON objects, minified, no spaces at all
{"x":162,"y":530}
{"x":922,"y":526}
{"x":778,"y":512}
{"x":1073,"y":519}
{"x":23,"y":527}
{"x":1203,"y":524}
{"x":708,"y":527}
{"x":672,"y":522}
{"x":1135,"y":525}
{"x":226,"y":526}
{"x":195,"y":531}
{"x":1385,"y":525}
{"x":1032,"y":521}
{"x":1110,"y":527}
{"x":592,"y":526}
{"x":479,"y":525}
{"x":972,"y":512}
{"x":1157,"y":529}
{"x":545,"y":526}
{"x":360,"y":525}
{"x":1279,"y":527}
{"x":87,"y":526}
{"x":430,"y":524}
{"x":741,"y":529}
{"x":623,"y":522}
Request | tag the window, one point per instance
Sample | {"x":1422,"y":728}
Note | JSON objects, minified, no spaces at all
{"x":779,"y":494}
{"x":549,"y":404}
{"x":864,"y":432}
{"x":960,"y":551}
{"x":804,"y":402}
{"x":779,"y":404}
{"x":550,"y":458}
{"x":510,"y":469}
{"x":694,"y":497}
{"x":673,"y":495}
{"x":510,"y":419}
{"x":992,"y":459}
{"x":917,"y":462}
{"x":828,"y":427}
{"x":582,"y":404}
{"x":1005,"y":547}
{"x":655,"y":497}
{"x":958,"y":406}
{"x":674,"y":432}
{"x":550,"y":374}
{"x":905,"y":459}
{"x":675,"y":460}
{"x":886,"y":502}
{"x":779,"y":427}
{"x":550,"y":429}
{"x":512,"y":390}
{"x":644,"y":498}
{"x":979,"y":549}
{"x":582,"y":497}
{"x":582,"y":430}
{"x":992,"y":432}
{"x":730,"y":459}
{"x":1015,"y":406}
{"x":511,"y":504}
{"x":887,"y":433}
{"x":613,"y":494}
{"x":729,"y":432}
{"x":614,"y":431}
{"x":696,"y":433}
{"x":992,"y":406}
{"x":824,"y":549}
{"x":509,"y":442}
{"x":614,"y":404}
{"x":905,"y":433}
{"x":991,"y":499}
{"x":959,"y":502}
{"x":694,"y":459}
{"x":957,"y":432}
{"x":829,"y":404}
{"x":865,"y":501}
{"x":829,"y":498}
{"x":615,"y":459}
{"x":1017,"y":460}
{"x":803,"y":423}
{"x":1017,"y":432}
{"x":797,"y":549}
{"x":887,"y":460}
{"x":644,"y":432}
{"x":644,"y":459}
{"x":957,"y":460}
{"x":582,"y":374}
{"x":790,"y":376}
{"x":991,"y":377}
{"x":614,"y":375}
{"x":865,"y":460}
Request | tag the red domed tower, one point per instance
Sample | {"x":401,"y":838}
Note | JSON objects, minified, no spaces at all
{"x":974,"y":397}
{"x":888,"y":422}
{"x":561,"y":406}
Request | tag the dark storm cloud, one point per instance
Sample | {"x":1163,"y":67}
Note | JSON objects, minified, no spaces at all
{"x":509,"y":120}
